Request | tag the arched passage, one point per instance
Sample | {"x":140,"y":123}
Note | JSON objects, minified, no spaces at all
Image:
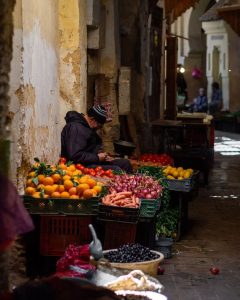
{"x":197,"y":48}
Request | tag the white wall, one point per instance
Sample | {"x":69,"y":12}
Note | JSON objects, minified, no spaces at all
{"x":34,"y":88}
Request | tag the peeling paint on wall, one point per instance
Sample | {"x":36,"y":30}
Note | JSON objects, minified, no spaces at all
{"x":35,"y":88}
{"x":73,"y":56}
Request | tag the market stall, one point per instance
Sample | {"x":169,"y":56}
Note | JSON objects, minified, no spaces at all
{"x":128,"y":211}
{"x":124,"y":208}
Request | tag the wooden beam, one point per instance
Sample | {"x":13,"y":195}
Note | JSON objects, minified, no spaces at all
{"x":171,"y":85}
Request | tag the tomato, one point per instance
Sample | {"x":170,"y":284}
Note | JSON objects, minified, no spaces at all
{"x":160,"y":270}
{"x":85,"y":171}
{"x":92,"y":173}
{"x":62,"y":160}
{"x":214,"y":270}
{"x":79,"y":167}
{"x":101,"y":173}
{"x":97,"y":169}
{"x":108,"y":172}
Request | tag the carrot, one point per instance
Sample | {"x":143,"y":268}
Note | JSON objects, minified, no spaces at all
{"x":129,"y":205}
{"x":118,"y":197}
{"x":125,"y":193}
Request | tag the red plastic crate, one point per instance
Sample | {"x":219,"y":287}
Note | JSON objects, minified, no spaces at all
{"x":57,"y":232}
{"x":118,"y":234}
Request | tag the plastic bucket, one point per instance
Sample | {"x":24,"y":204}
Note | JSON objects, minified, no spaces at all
{"x":164,"y":245}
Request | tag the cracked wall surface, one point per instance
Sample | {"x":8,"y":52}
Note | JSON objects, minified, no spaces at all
{"x":34,"y":92}
{"x":48,"y":77}
{"x":72,"y":56}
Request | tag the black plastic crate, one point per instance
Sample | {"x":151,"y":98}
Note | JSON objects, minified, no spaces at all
{"x":118,"y":213}
{"x":184,"y":185}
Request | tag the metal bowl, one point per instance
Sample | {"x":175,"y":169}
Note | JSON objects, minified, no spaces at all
{"x":123,"y":147}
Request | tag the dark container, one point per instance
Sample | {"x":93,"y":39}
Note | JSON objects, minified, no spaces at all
{"x":57,"y":232}
{"x":124,"y":148}
{"x":164,"y":245}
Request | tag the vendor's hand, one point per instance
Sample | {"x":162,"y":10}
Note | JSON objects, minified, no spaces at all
{"x":102,"y":156}
{"x":109,"y":158}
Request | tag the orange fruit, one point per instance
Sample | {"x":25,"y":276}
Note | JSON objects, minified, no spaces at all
{"x":30,"y":183}
{"x":81,"y":188}
{"x":40,"y":186}
{"x":89,"y":193}
{"x":84,"y":179}
{"x":55,"y":186}
{"x":56,"y":195}
{"x":36,"y":165}
{"x":61,"y":188}
{"x":74,"y":197}
{"x":68,"y":184}
{"x":66,"y":177}
{"x":48,"y":181}
{"x":77,"y":172}
{"x":40,"y":178}
{"x":30,"y":190}
{"x":62,"y":166}
{"x":72,"y":191}
{"x":91,"y":182}
{"x":97,"y":188}
{"x":32,"y":174}
{"x":36,"y":195}
{"x":70,"y":173}
{"x":64,"y":195}
{"x":48,"y":189}
{"x":56,"y":177}
{"x":71,"y":168}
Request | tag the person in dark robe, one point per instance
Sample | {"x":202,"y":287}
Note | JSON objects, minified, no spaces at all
{"x":80,"y":142}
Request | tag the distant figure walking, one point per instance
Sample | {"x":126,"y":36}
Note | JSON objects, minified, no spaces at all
{"x":216,"y":99}
{"x":200,"y":103}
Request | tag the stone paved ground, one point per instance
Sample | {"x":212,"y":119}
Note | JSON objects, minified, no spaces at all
{"x":213,"y":237}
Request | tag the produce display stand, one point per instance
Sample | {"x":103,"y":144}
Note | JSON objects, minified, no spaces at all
{"x":180,"y":191}
{"x":65,"y":221}
{"x":62,"y":222}
{"x":55,"y":206}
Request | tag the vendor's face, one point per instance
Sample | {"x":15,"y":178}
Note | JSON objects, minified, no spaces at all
{"x":94,"y":124}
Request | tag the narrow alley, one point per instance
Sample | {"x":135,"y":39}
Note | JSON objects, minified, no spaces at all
{"x":213,"y":237}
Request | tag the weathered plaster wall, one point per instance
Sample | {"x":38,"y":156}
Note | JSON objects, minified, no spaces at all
{"x":234,"y":70}
{"x":34,"y":86}
{"x":73,"y":56}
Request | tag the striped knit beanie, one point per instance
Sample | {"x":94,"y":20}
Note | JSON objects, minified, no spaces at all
{"x":99,"y":113}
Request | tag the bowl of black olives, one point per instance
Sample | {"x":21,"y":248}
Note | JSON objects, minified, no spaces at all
{"x":134,"y":257}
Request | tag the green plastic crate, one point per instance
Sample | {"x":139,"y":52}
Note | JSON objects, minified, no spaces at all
{"x":149,"y":207}
{"x":55,"y":206}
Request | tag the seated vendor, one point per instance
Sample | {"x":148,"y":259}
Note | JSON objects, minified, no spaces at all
{"x":80,"y":142}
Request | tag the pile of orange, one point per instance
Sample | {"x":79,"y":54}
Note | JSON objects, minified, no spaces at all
{"x":61,"y":181}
